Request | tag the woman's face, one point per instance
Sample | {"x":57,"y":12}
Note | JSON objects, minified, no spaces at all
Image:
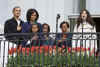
{"x":84,"y":15}
{"x":35,"y":28}
{"x":45,"y":29}
{"x":64,"y":28}
{"x":33,"y":17}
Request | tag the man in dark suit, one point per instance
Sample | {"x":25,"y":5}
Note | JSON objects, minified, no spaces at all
{"x":13,"y":25}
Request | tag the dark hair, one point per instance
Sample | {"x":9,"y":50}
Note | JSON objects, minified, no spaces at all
{"x":30,"y":12}
{"x":64,"y":22}
{"x":46,"y":25}
{"x":37,"y":26}
{"x":89,"y":19}
{"x":15,"y":8}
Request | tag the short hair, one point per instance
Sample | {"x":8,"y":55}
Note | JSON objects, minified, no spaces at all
{"x":30,"y":12}
{"x":15,"y":8}
{"x":64,"y":22}
{"x":47,"y":25}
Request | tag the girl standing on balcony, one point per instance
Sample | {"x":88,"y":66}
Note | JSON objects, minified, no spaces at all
{"x":85,"y":25}
{"x":46,"y":39}
{"x":64,"y":38}
{"x":35,"y":38}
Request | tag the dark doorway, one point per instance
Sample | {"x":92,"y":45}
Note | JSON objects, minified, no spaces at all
{"x":97,"y":21}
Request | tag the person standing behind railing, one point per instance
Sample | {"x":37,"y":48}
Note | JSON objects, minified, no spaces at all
{"x":14,"y":25}
{"x":45,"y":36}
{"x":32,"y":18}
{"x":84,"y":25}
{"x":12,"y":28}
{"x":63,"y":39}
{"x":35,"y":39}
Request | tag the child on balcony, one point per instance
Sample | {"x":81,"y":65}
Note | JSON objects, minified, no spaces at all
{"x":46,"y":39}
{"x":63,"y":39}
{"x":35,"y":39}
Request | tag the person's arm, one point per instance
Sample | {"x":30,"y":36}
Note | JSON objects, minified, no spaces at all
{"x":8,"y":27}
{"x":24,"y":28}
{"x":5,"y":27}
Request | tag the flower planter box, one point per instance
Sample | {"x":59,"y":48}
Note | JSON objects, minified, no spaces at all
{"x":51,"y":57}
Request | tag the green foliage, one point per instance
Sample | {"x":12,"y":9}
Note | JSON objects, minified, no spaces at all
{"x":47,"y":60}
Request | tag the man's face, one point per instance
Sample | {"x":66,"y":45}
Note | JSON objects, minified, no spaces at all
{"x":17,"y":12}
{"x":64,"y":28}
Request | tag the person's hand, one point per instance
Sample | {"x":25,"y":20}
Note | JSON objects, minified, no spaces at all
{"x":19,"y":28}
{"x":34,"y":37}
{"x":47,"y":38}
{"x":63,"y":38}
{"x":59,"y":41}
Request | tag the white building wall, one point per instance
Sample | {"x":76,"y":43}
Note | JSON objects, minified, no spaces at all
{"x":93,"y":6}
{"x":48,"y":9}
{"x":3,"y":13}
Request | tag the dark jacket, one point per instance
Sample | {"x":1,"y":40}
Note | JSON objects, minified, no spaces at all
{"x":10,"y":27}
{"x":26,"y":27}
{"x":32,"y":41}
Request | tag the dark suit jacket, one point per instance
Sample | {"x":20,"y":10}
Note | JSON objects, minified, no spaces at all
{"x":11,"y":27}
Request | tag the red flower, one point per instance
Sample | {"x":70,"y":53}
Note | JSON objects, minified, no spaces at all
{"x":88,"y":49}
{"x":63,"y":46}
{"x":41,"y":49}
{"x":37,"y":49}
{"x":19,"y":49}
{"x":54,"y":47}
{"x":27,"y":51}
{"x":10,"y":52}
{"x":50,"y":49}
{"x":15,"y":50}
{"x":78,"y":49}
{"x":23,"y":51}
{"x":32,"y":49}
{"x":69,"y":49}
{"x":46,"y":48}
